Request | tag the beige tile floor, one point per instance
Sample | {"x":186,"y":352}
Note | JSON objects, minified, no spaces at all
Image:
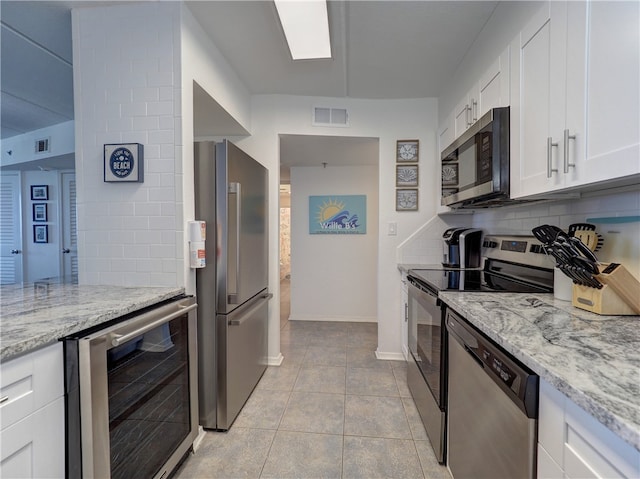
{"x":331,"y":410}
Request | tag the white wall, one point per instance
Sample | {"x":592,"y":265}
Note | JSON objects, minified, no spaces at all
{"x":387,"y":120}
{"x":333,"y":276}
{"x":126,"y":90}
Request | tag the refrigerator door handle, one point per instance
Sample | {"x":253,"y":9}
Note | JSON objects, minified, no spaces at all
{"x":246,"y":313}
{"x":235,"y":188}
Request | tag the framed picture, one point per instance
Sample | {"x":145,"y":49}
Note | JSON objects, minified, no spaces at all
{"x":40,"y":234}
{"x":407,"y":199}
{"x":407,"y":175}
{"x":449,"y":174}
{"x":39,"y":212}
{"x":39,"y":192}
{"x":407,"y":151}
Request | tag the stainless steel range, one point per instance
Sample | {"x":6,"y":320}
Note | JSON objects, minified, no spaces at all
{"x":510,"y":264}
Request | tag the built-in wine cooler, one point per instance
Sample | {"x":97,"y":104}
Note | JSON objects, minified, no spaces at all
{"x":131,"y":391}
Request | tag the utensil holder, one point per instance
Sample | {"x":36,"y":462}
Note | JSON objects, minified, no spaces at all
{"x":619,"y":295}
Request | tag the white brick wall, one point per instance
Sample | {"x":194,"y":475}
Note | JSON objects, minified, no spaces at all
{"x":127,"y":89}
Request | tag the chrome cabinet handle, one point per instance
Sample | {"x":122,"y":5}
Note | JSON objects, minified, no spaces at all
{"x":474,"y":111}
{"x":550,"y":145}
{"x":567,"y":137}
{"x":468,"y":115}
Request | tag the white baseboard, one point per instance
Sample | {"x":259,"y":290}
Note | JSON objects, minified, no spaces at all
{"x":344,"y":319}
{"x":390,"y":356}
{"x":275,"y":361}
{"x":405,"y":353}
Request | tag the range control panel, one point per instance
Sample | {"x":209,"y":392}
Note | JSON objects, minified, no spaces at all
{"x":517,"y":249}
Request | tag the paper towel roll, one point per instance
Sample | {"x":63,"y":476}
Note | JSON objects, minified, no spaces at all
{"x":562,"y":286}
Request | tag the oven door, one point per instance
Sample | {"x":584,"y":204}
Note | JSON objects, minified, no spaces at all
{"x":426,"y":367}
{"x":426,"y":334}
{"x":138,"y":393}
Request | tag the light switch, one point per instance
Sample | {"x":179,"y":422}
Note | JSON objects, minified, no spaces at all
{"x":393,"y":229}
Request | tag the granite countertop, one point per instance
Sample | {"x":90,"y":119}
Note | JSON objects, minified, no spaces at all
{"x":34,"y":315}
{"x":594,"y":360}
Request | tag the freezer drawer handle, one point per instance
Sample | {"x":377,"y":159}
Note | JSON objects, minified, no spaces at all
{"x":118,"y":339}
{"x":247,"y":314}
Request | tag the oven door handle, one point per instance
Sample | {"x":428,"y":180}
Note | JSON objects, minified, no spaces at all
{"x":423,"y":295}
{"x":118,"y":339}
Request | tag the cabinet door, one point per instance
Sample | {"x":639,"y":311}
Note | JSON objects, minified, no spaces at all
{"x":612,"y":84}
{"x":461,"y":117}
{"x":34,"y":446}
{"x":537,"y":102}
{"x":446,"y":133}
{"x":493,"y":88}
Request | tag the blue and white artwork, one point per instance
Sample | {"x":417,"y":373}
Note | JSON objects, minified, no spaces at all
{"x":338,"y":214}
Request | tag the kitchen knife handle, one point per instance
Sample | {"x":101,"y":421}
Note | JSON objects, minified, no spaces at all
{"x":567,"y":137}
{"x":550,"y":145}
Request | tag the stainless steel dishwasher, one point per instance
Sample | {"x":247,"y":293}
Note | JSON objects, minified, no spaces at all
{"x":493,"y":408}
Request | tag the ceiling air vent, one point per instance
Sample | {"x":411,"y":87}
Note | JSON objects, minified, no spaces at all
{"x":323,"y":116}
{"x":43,"y":145}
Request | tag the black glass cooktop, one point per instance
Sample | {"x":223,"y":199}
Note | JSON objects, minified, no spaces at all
{"x":481,"y":280}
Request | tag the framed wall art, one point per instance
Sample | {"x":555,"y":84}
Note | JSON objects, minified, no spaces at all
{"x":39,"y":192}
{"x":407,"y":151}
{"x":407,"y":199}
{"x":407,"y":175}
{"x":39,"y":212}
{"x":40,"y":234}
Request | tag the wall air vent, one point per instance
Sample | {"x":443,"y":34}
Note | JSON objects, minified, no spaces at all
{"x":325,"y":116}
{"x":43,"y":145}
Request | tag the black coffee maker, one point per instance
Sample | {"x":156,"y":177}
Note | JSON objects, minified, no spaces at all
{"x":461,"y":248}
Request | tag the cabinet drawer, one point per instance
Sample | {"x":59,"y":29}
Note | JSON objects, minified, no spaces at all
{"x":34,"y":446}
{"x":593,"y":451}
{"x":30,"y":382}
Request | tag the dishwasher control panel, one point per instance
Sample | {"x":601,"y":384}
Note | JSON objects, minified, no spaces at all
{"x":497,"y":366}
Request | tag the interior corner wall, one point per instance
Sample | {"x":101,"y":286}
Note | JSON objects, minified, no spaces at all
{"x":333,"y":276}
{"x":202,"y":62}
{"x":125,"y":92}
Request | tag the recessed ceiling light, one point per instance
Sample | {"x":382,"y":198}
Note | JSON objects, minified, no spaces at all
{"x":306,"y":28}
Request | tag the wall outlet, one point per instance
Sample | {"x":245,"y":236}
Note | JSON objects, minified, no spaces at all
{"x":392,"y":229}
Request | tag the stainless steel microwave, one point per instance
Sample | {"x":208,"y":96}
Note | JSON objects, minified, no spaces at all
{"x":475,"y":167}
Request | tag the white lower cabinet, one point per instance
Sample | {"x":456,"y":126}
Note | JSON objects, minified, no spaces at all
{"x":32,"y":433}
{"x":572,"y":444}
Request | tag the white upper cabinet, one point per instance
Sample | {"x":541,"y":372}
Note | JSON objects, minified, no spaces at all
{"x":574,"y":96}
{"x":493,"y":87}
{"x":490,"y":91}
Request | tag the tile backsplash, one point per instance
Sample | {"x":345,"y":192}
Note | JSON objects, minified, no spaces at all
{"x":621,"y":234}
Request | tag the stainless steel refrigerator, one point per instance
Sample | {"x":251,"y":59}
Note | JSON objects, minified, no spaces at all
{"x":231,"y":196}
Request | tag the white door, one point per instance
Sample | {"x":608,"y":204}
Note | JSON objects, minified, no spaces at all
{"x":69,"y":228}
{"x":10,"y":229}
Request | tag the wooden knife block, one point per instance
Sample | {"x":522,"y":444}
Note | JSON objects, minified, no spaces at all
{"x":620,"y":294}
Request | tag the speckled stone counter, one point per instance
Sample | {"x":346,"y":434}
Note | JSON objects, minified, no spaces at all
{"x":594,"y":360}
{"x":34,"y":315}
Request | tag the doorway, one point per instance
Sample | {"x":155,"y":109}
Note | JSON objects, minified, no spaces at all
{"x":285,"y":254}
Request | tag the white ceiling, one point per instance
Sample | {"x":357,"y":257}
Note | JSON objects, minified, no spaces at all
{"x":381,"y":49}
